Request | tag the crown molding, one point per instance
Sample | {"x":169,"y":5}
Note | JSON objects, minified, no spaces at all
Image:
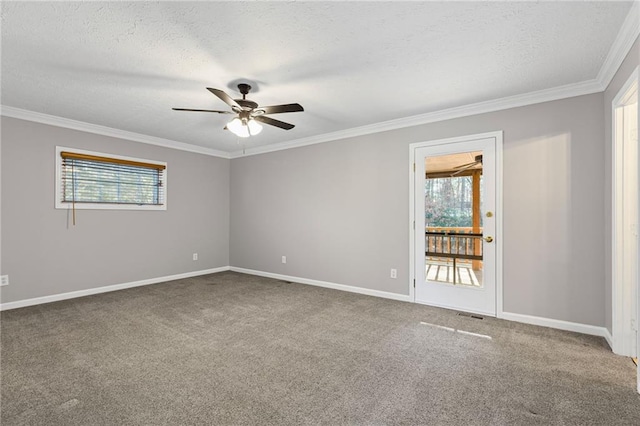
{"x":546,"y":95}
{"x":67,"y":123}
{"x":629,"y":32}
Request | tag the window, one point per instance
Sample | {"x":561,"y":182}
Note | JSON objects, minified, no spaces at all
{"x":92,"y":180}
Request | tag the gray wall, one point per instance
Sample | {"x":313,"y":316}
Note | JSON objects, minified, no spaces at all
{"x":339,"y":211}
{"x":630,"y":63}
{"x":44,"y":255}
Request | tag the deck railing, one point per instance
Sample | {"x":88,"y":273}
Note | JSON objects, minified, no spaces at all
{"x":454,"y":243}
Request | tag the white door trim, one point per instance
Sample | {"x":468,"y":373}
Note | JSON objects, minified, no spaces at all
{"x":620,"y":310}
{"x":499,"y":210}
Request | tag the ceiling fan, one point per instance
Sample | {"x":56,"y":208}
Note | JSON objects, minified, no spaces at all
{"x":248,"y":112}
{"x":477,"y":160}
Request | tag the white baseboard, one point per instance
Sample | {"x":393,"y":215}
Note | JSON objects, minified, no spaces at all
{"x":105,"y":289}
{"x":609,"y":338}
{"x":559,"y":324}
{"x":326,"y":284}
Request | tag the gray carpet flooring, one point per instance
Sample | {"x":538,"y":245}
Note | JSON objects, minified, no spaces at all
{"x":233,"y":349}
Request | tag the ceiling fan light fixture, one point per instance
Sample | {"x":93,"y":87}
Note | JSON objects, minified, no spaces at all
{"x":243,"y":127}
{"x":254,"y":127}
{"x":238,"y":128}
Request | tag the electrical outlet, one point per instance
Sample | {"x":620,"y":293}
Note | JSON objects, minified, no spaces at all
{"x":284,"y":259}
{"x":195,"y":256}
{"x":4,"y":280}
{"x":394,"y":273}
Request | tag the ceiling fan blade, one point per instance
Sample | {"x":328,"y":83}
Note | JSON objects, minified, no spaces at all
{"x":270,"y":121}
{"x":465,"y":167}
{"x":279,"y":109}
{"x":202,"y":110}
{"x":225,"y":98}
{"x":477,"y":160}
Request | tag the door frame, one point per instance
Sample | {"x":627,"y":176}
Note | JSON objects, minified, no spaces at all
{"x":621,"y":313}
{"x":498,"y":209}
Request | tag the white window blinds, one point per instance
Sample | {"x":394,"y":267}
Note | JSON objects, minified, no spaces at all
{"x":104,"y":180}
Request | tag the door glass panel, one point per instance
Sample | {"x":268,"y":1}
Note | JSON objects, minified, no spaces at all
{"x":453,"y":220}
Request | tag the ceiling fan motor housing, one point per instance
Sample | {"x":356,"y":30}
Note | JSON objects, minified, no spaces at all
{"x":247,"y":104}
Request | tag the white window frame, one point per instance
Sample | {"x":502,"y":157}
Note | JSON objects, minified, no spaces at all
{"x":104,"y":206}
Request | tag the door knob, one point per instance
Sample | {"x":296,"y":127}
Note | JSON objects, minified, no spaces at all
{"x":488,"y":239}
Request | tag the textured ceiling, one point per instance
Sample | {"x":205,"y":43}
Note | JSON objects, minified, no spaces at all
{"x":125,"y":65}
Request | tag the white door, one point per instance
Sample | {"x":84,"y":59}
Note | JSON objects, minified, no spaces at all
{"x":625,"y":213}
{"x":455,"y":224}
